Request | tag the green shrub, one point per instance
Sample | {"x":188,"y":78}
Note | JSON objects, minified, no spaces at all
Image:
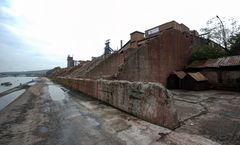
{"x":206,"y":51}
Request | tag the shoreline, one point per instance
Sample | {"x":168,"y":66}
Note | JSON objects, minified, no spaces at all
{"x":17,"y":88}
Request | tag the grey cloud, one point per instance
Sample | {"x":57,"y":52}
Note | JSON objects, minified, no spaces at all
{"x":16,"y":54}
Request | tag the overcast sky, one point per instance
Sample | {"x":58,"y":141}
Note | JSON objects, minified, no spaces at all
{"x":39,"y":34}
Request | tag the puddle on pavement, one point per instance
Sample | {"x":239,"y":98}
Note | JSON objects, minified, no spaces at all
{"x":92,"y":121}
{"x":7,"y":99}
{"x":73,"y":116}
{"x":46,"y":109}
{"x":56,"y":93}
{"x":31,"y":84}
{"x":43,"y":129}
{"x":65,"y":90}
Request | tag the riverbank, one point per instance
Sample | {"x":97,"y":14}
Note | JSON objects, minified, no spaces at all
{"x":47,"y":114}
{"x":8,"y":96}
{"x":17,"y":88}
{"x":15,"y":81}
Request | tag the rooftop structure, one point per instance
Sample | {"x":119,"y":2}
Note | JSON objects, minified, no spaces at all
{"x":166,"y":26}
{"x":216,"y":63}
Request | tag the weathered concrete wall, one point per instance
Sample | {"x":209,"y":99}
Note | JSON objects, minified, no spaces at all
{"x":155,"y":60}
{"x":149,"y":101}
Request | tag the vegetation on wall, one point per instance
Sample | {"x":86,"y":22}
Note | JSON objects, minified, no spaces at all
{"x":206,"y":51}
{"x":52,"y":71}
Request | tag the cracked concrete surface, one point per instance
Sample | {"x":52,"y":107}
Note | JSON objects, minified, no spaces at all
{"x":213,"y":114}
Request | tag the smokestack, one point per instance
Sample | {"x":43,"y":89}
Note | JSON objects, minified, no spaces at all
{"x":121,"y":44}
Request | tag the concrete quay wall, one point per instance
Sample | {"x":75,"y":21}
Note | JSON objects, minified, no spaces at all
{"x":149,"y":101}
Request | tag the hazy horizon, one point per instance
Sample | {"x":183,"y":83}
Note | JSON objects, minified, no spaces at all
{"x":40,"y":34}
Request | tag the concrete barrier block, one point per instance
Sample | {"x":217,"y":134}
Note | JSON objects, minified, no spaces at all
{"x":149,"y":101}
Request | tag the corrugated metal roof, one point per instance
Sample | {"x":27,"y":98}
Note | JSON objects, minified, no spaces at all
{"x":198,"y":76}
{"x":216,"y":63}
{"x":180,"y":74}
{"x":231,"y":61}
{"x":197,"y":64}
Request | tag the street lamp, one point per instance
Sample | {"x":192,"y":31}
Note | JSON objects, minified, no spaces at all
{"x":223,"y":33}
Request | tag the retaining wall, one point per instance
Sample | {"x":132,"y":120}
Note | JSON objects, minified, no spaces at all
{"x":148,"y":101}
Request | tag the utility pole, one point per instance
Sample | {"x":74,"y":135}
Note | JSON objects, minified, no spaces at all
{"x":224,"y":34}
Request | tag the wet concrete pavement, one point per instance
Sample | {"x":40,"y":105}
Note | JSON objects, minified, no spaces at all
{"x":80,"y":120}
{"x":48,"y":114}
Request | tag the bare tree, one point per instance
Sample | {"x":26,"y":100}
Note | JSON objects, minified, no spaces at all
{"x":221,"y":30}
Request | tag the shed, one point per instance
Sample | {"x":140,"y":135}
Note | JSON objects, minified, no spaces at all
{"x":174,"y":80}
{"x":222,"y":73}
{"x":195,"y":81}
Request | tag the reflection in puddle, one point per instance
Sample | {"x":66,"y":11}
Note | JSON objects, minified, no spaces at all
{"x":7,"y":99}
{"x":73,"y":116}
{"x":31,"y":84}
{"x":65,"y":90}
{"x":92,"y":121}
{"x":56,"y":93}
{"x":43,"y":130}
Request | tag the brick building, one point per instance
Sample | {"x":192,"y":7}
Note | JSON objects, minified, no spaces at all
{"x":152,"y":58}
{"x":149,"y":56}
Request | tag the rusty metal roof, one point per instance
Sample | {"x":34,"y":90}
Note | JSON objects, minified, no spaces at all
{"x":197,"y":64}
{"x":216,"y":63}
{"x":231,"y":61}
{"x":198,"y":76}
{"x":180,"y":74}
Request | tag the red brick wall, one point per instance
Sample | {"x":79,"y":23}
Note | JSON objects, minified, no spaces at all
{"x":135,"y":37}
{"x":154,"y":61}
{"x":107,"y":68}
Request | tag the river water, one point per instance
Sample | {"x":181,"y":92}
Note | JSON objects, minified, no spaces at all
{"x":7,"y":99}
{"x":15,"y":82}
